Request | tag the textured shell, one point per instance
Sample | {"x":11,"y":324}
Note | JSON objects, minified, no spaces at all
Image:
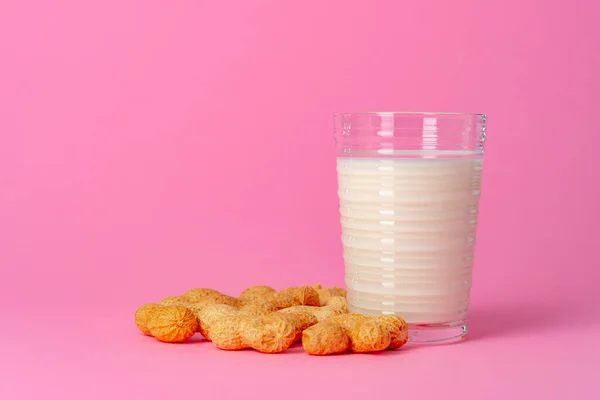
{"x":306,"y":296}
{"x":297,"y":296}
{"x":303,"y":320}
{"x":327,"y":293}
{"x":196,"y":308}
{"x":199,"y":294}
{"x":321,"y":313}
{"x":172,"y":324}
{"x":295,"y":309}
{"x":324,"y":313}
{"x":256,"y":292}
{"x":210,"y":313}
{"x":324,"y":296}
{"x":338,"y":304}
{"x":257,"y":297}
{"x":281,"y":300}
{"x":270,"y":334}
{"x":226,"y":332}
{"x":142,"y":315}
{"x":369,"y":336}
{"x":224,"y":299}
{"x":398,"y":330}
{"x":258,"y":307}
{"x":335,"y":291}
{"x":214,"y":299}
{"x":348,"y":321}
{"x":366,"y":334}
{"x":395,"y":325}
{"x":325,"y":338}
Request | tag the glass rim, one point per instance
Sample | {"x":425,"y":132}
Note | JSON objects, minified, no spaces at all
{"x":411,"y":113}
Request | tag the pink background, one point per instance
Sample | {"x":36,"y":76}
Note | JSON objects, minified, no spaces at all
{"x":153,"y":146}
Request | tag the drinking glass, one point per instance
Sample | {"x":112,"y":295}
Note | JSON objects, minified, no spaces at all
{"x":409,"y":189}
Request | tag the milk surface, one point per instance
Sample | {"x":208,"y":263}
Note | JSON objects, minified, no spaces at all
{"x":408,"y":234}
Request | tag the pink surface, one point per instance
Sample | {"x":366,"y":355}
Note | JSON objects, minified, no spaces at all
{"x":153,"y":146}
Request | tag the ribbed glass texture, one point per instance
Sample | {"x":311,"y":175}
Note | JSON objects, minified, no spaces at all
{"x":409,"y":188}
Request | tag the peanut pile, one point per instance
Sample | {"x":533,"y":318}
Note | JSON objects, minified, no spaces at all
{"x":271,"y":321}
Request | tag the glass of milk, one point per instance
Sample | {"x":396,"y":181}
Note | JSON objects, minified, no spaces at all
{"x":409,"y":188}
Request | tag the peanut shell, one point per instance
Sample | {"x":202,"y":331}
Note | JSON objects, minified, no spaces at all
{"x":325,"y":338}
{"x":173,"y":301}
{"x":210,"y":313}
{"x":226,"y":332}
{"x":327,"y":293}
{"x":304,"y":320}
{"x":258,"y":307}
{"x":142,"y":315}
{"x":369,"y":336}
{"x":198,"y":294}
{"x":338,"y":304}
{"x":256,"y":292}
{"x":172,"y":324}
{"x":365,"y":333}
{"x":271,"y":333}
{"x":321,"y":313}
{"x":398,"y":330}
{"x":297,"y":296}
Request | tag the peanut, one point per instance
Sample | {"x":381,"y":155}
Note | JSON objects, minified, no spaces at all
{"x":199,"y":294}
{"x":336,"y":306}
{"x":281,"y":300}
{"x":365,"y":335}
{"x":301,"y":296}
{"x":304,"y":320}
{"x":368,"y":336}
{"x":220,"y":299}
{"x":371,"y":336}
{"x":198,"y":297}
{"x":258,"y":307}
{"x":172,"y":324}
{"x":398,"y":330}
{"x":211,"y":313}
{"x":339,"y":304}
{"x":327,"y":293}
{"x":142,"y":315}
{"x":232,"y":329}
{"x":270,"y":321}
{"x":271,"y":333}
{"x":294,"y":296}
{"x":325,"y":338}
{"x":227,"y":332}
{"x":256,"y":292}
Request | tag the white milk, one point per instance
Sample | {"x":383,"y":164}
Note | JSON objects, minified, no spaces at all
{"x":408,"y":232}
